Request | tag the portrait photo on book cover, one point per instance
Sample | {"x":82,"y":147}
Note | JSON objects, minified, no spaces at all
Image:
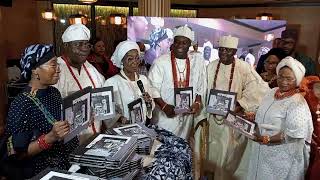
{"x":220,"y":102}
{"x":240,"y":124}
{"x":135,"y":111}
{"x":183,"y":98}
{"x":131,"y":130}
{"x":106,"y":147}
{"x":102,"y":103}
{"x":77,"y":114}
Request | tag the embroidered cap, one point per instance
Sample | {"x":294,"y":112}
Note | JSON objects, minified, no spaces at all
{"x":229,"y":42}
{"x":76,"y":32}
{"x":184,"y":31}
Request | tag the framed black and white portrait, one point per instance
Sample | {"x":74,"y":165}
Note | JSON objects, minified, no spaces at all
{"x":240,"y":124}
{"x":183,"y":99}
{"x":76,"y":110}
{"x":136,"y":111}
{"x":106,"y":145}
{"x":221,"y":102}
{"x":131,"y":130}
{"x":102,"y":100}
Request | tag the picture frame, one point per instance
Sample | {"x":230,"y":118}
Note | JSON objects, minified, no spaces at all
{"x":76,"y":109}
{"x":57,"y":174}
{"x":221,"y":102}
{"x":103,"y":103}
{"x":136,"y":111}
{"x":137,"y":129}
{"x":243,"y":126}
{"x":183,"y":98}
{"x":106,"y":145}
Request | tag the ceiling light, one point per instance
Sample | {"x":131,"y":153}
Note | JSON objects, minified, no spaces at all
{"x":78,"y":19}
{"x":88,"y":1}
{"x":264,"y":16}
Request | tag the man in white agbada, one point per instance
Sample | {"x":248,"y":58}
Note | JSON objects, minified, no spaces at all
{"x":177,"y":70}
{"x":285,"y":128}
{"x":76,"y":73}
{"x":226,"y":147}
{"x":125,"y":87}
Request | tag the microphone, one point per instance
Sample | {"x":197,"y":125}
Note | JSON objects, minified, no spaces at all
{"x":140,"y":85}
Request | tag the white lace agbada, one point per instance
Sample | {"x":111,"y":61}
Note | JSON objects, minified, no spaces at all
{"x":161,"y":78}
{"x":67,"y":85}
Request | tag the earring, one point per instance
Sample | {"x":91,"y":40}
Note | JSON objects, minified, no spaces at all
{"x":38,"y":77}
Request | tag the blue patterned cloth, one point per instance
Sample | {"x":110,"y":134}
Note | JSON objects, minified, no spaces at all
{"x":173,"y":159}
{"x":34,"y":56}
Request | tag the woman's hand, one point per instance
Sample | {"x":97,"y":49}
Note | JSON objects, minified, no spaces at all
{"x":195,"y":108}
{"x":169,"y":110}
{"x":123,"y":120}
{"x":59,"y":130}
{"x":146,"y":97}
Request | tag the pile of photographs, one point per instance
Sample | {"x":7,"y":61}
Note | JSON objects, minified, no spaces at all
{"x":104,"y":151}
{"x":54,"y":174}
{"x":145,"y":136}
{"x":128,"y":171}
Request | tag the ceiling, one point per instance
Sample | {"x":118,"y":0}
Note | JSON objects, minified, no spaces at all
{"x":213,"y":2}
{"x":230,"y":2}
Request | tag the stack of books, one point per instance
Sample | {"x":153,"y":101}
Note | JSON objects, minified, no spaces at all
{"x":145,"y":136}
{"x":104,"y":151}
{"x":129,"y":168}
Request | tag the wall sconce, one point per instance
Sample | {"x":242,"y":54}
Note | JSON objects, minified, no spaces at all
{"x":88,"y":1}
{"x":47,"y":15}
{"x":264,"y":16}
{"x":118,"y":19}
{"x":78,"y":19}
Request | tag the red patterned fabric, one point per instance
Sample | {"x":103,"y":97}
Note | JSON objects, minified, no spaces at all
{"x":314,"y":166}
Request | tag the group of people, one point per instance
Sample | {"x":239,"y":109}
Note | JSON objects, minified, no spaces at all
{"x":279,"y":150}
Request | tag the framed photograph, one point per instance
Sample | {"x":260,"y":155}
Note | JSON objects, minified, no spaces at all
{"x":56,"y":174}
{"x":136,"y":111}
{"x":106,"y":145}
{"x":138,"y":130}
{"x":183,"y":99}
{"x":240,"y":124}
{"x":221,"y":102}
{"x":102,"y":100}
{"x":76,"y":110}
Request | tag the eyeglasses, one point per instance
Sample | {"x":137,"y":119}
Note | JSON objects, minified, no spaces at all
{"x":130,"y":60}
{"x":53,"y":66}
{"x":288,"y":79}
{"x":225,"y":49}
{"x":79,"y":44}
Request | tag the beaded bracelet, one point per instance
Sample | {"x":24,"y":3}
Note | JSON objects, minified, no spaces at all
{"x":265,"y":139}
{"x":42,"y":143}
